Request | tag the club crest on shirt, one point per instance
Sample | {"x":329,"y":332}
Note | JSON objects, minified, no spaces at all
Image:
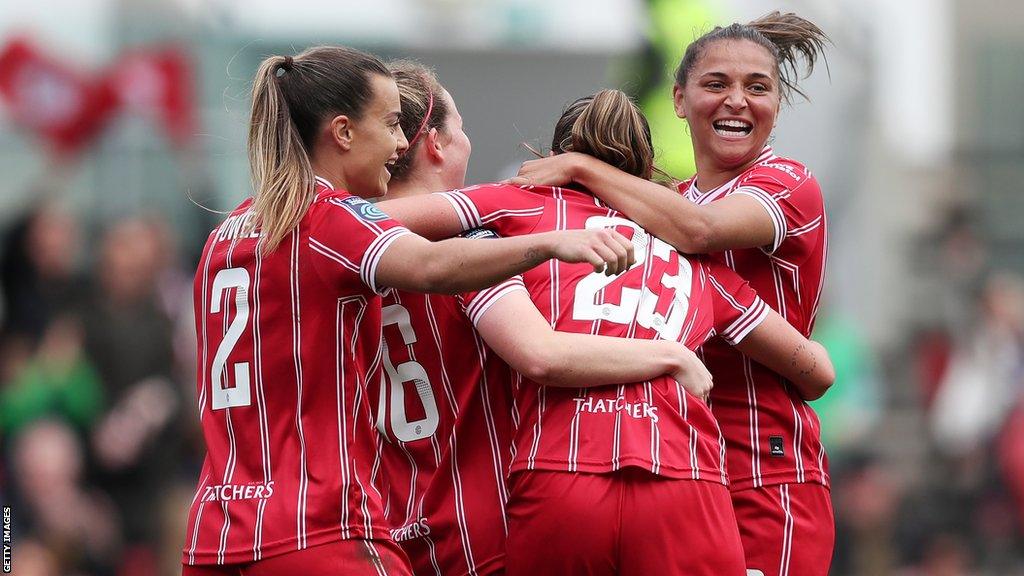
{"x":365,"y":210}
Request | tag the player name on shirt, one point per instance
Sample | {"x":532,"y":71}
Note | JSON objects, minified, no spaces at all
{"x":234,"y":227}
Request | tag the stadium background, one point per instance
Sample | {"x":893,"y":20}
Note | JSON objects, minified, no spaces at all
{"x":916,"y":133}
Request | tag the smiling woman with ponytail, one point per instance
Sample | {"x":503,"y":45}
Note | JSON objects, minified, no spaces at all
{"x":288,"y":320}
{"x":763,"y":214}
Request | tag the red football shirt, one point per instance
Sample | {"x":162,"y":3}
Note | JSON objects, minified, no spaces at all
{"x":655,"y":425}
{"x":444,"y":410}
{"x":772,"y":435}
{"x":285,"y":344}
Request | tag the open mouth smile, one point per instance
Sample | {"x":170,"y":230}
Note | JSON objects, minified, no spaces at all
{"x":732,"y":128}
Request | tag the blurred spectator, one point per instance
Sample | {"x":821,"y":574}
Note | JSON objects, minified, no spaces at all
{"x":73,"y":521}
{"x":37,"y":272}
{"x":55,"y":382}
{"x":129,"y":339}
{"x":985,"y":373}
{"x":34,"y":559}
{"x":866,"y":499}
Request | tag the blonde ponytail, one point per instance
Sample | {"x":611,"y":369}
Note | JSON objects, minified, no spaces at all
{"x":282,"y":175}
{"x":291,"y":99}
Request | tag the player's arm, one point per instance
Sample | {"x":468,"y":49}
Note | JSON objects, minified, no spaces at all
{"x":785,"y":351}
{"x":461,"y":265}
{"x":737,"y":221}
{"x":519,"y":334}
{"x":428,"y":215}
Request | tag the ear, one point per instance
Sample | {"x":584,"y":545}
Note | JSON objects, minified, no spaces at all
{"x":432,"y":146}
{"x":678,"y":103}
{"x":341,"y":132}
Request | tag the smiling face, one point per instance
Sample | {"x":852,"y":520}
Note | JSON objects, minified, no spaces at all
{"x":730,"y":100}
{"x":377,"y":140}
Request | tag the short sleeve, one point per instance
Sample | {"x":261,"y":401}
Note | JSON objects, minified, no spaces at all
{"x":790,"y":195}
{"x":738,"y":309}
{"x":348,"y":236}
{"x":476,"y":304}
{"x":510,"y":210}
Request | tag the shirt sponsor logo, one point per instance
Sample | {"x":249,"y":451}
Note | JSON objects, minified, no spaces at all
{"x":417,"y":529}
{"x":642,"y":409}
{"x":364,"y":209}
{"x":229,"y":492}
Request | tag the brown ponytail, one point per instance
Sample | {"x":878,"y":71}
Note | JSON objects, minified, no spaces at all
{"x":787,"y":37}
{"x":291,"y":97}
{"x":610,"y":127}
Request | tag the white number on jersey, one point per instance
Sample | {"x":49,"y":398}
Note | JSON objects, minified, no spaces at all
{"x":638,"y":303}
{"x":394,"y":385}
{"x":237,"y":395}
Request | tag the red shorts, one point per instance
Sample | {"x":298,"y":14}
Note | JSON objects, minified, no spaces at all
{"x":626,"y":523}
{"x":787,"y":530}
{"x":356,"y":557}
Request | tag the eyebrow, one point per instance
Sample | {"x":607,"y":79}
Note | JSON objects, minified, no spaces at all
{"x":722,"y":75}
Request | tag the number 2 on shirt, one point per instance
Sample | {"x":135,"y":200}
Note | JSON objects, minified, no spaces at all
{"x":237,"y":395}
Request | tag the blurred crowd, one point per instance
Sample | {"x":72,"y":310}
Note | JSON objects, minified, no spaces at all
{"x":101,"y":446}
{"x":925,"y":438}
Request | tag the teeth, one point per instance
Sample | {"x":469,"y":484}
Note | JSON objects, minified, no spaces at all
{"x":733,"y":124}
{"x":730,"y":133}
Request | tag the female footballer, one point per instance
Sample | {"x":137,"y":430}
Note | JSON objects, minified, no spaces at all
{"x":762,"y":215}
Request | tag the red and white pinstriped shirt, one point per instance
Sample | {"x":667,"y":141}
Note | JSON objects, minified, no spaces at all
{"x":444,"y":410}
{"x":772,"y":436}
{"x":286,"y":343}
{"x":655,"y":425}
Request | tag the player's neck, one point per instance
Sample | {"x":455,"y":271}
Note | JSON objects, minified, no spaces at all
{"x":710,"y":177}
{"x":711,"y":173}
{"x":416,"y":185}
{"x":331,"y":173}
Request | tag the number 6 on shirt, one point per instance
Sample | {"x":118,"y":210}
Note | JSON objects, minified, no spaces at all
{"x":237,"y":395}
{"x":396,"y":377}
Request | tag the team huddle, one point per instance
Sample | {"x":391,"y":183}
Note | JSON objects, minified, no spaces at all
{"x":581,"y":370}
